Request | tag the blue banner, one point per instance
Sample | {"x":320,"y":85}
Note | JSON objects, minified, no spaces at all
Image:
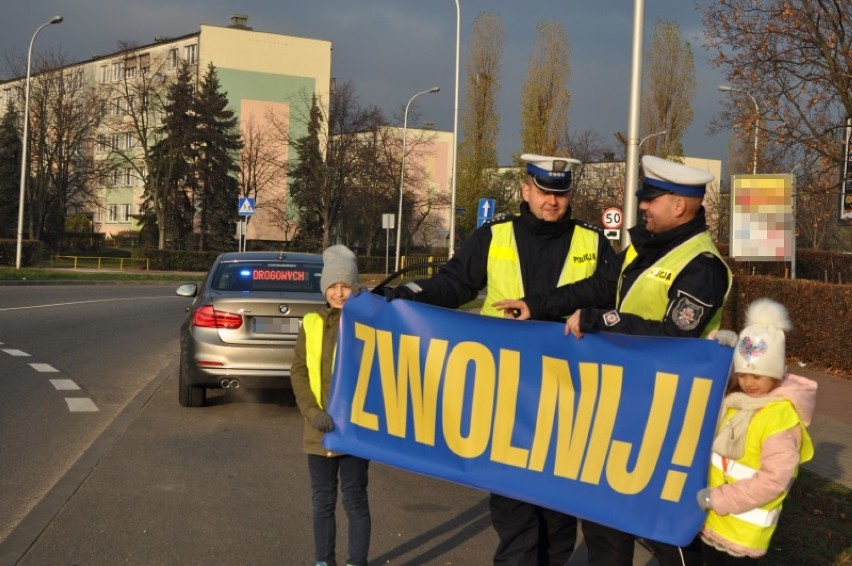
{"x":612,"y":428}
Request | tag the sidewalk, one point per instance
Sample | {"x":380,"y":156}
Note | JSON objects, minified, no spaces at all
{"x":831,"y":429}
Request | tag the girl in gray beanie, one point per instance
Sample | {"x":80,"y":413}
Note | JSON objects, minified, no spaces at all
{"x":310,"y":375}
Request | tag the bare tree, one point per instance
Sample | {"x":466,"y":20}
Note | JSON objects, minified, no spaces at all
{"x":480,"y":121}
{"x":545,"y":99}
{"x":795,"y":59}
{"x":136,"y":91}
{"x":323,"y":166}
{"x":669,"y":90}
{"x":263,"y":170}
{"x":64,"y":113}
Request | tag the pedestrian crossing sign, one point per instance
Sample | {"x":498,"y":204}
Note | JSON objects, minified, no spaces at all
{"x":245,"y":207}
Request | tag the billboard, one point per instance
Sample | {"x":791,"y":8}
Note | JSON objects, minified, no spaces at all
{"x":762,"y":222}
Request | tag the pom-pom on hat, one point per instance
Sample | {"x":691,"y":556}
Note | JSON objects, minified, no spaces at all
{"x":667,"y":177}
{"x":339,"y":266}
{"x":761,"y":347}
{"x":553,"y":174}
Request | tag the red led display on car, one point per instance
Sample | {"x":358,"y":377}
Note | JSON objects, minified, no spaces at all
{"x":279,"y":275}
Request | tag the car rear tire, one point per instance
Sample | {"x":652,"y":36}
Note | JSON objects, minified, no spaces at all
{"x":189,"y":395}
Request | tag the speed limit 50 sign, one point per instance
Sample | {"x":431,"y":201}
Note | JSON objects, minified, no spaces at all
{"x":612,"y":217}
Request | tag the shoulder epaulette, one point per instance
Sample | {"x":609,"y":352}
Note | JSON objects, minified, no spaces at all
{"x":499,"y":218}
{"x":588,"y":226}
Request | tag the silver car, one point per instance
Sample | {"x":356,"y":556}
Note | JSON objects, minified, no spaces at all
{"x":240,"y":330}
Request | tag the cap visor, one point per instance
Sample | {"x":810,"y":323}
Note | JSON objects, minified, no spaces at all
{"x":552,"y":186}
{"x":647,"y":192}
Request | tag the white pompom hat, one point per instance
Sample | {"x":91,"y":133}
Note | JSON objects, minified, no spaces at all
{"x":761,"y":349}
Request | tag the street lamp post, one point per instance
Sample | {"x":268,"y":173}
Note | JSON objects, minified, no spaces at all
{"x":53,"y":20}
{"x":649,"y":136}
{"x":402,"y":173}
{"x":728,"y":88}
{"x":452,"y":243}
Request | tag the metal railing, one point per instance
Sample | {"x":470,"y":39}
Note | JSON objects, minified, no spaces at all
{"x":99,"y":262}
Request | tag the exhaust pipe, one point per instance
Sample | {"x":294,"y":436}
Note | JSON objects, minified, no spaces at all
{"x":234,"y":384}
{"x":225,"y":383}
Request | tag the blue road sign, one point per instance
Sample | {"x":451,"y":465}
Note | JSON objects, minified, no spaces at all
{"x":485,"y":211}
{"x":245,"y":207}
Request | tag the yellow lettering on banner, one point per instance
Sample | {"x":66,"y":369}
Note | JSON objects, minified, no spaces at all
{"x":394,"y":391}
{"x":482,"y":400}
{"x":424,"y":393}
{"x":574,"y":431}
{"x":617,"y":474}
{"x":504,"y":416}
{"x":604,"y":419}
{"x":358,"y":414}
{"x":687,"y":441}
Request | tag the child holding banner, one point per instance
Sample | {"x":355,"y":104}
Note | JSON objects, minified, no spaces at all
{"x":761,"y":441}
{"x":310,"y":375}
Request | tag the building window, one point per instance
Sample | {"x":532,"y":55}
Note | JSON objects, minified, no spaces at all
{"x":113,"y":140}
{"x":117,"y":71}
{"x":103,"y":75}
{"x":102,"y":144}
{"x":126,"y":213}
{"x":144,"y":64}
{"x":130,"y":72}
{"x":127,"y":176}
{"x":116,"y":107}
{"x":112,"y":213}
{"x":128,"y":140}
{"x":173,"y":58}
{"x":190,"y":52}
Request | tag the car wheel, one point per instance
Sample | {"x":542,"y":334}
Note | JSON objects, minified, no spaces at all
{"x":189,"y":395}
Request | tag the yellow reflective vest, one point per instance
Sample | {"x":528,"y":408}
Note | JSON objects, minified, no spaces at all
{"x":648,"y":297}
{"x":753,"y":529}
{"x":313,"y":326}
{"x":504,"y":267}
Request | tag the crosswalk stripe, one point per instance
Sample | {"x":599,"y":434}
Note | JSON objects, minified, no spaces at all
{"x":81,"y":405}
{"x":64,"y":385}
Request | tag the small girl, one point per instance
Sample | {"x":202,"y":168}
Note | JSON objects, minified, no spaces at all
{"x":760,"y":443}
{"x":310,"y":375}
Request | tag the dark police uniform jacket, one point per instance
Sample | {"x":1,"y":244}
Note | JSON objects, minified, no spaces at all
{"x":542,"y":251}
{"x":695,"y":296}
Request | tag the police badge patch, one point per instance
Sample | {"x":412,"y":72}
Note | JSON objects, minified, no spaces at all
{"x":611,"y":318}
{"x":687,"y":313}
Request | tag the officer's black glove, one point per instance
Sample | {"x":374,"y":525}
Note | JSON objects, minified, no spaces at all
{"x":321,"y":421}
{"x":401,"y":292}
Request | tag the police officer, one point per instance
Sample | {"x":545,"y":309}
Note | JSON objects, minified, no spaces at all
{"x":513,"y":256}
{"x":671,"y":281}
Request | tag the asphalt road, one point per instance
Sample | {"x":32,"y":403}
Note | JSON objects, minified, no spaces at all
{"x":141,"y":480}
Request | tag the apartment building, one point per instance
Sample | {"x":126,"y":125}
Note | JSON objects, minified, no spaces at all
{"x":264,"y":74}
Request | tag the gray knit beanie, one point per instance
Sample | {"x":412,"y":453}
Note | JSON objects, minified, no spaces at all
{"x":339,"y":266}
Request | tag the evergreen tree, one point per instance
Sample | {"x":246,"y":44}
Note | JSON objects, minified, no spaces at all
{"x":10,"y":171}
{"x":305,"y":177}
{"x":218,"y":147}
{"x":167,"y":199}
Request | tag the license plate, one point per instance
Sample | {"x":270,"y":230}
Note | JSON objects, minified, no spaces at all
{"x":275,"y":325}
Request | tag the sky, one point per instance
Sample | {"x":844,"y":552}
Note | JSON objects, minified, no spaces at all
{"x":393,"y":49}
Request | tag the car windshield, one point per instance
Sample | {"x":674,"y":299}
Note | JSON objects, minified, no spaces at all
{"x":279,"y":276}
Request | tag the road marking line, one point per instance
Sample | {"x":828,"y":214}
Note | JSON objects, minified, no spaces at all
{"x":86,"y":303}
{"x":65,"y":385}
{"x":81,"y":405}
{"x":13,"y":352}
{"x":44,"y":368}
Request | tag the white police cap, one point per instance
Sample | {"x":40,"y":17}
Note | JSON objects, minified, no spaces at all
{"x":553,"y":174}
{"x":667,"y":177}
